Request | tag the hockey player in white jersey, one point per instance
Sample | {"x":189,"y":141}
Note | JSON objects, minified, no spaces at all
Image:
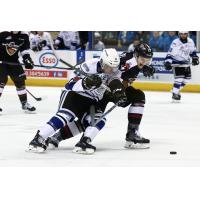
{"x":181,"y":51}
{"x":131,"y":63}
{"x":40,"y":41}
{"x":67,"y":40}
{"x":74,"y":102}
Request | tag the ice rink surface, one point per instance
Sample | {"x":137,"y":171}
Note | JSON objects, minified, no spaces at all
{"x":169,"y":126}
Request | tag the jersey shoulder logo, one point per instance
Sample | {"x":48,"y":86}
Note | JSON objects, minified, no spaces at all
{"x":11,"y":48}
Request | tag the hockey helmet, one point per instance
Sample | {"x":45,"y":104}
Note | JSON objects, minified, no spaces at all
{"x":183,"y":32}
{"x":110,"y":58}
{"x":143,"y":50}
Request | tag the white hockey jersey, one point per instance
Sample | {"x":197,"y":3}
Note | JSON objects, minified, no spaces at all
{"x":70,"y":39}
{"x":90,"y":67}
{"x":36,"y":39}
{"x":99,"y":46}
{"x":179,"y":53}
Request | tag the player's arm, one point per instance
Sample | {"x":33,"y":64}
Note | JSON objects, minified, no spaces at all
{"x":193,"y":55}
{"x":25,"y":52}
{"x":118,"y":92}
{"x":169,"y":58}
{"x":124,"y":57}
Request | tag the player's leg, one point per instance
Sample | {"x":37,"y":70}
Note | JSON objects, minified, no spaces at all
{"x":18,"y":76}
{"x":71,"y":105}
{"x":135,"y":114}
{"x":187,"y":77}
{"x":2,"y":85}
{"x":3,"y":79}
{"x":70,"y":130}
{"x":84,"y":146}
{"x":76,"y":127}
{"x":179,"y":74}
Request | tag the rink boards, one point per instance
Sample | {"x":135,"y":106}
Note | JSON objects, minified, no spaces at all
{"x":161,"y":81}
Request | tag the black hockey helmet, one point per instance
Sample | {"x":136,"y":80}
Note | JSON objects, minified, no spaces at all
{"x":144,"y":50}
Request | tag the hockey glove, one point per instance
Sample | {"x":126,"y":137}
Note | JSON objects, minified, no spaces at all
{"x":168,"y":66}
{"x":42,"y":44}
{"x":148,"y":71}
{"x":130,"y":74}
{"x":28,"y":61}
{"x":92,"y":82}
{"x":119,"y":97}
{"x":195,"y":60}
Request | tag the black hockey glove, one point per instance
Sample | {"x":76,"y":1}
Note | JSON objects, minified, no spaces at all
{"x":35,"y":48}
{"x":168,"y":66}
{"x":92,"y":82}
{"x":148,"y":71}
{"x":130,"y":74}
{"x":28,"y":61}
{"x":119,"y":97}
{"x":42,"y":44}
{"x":195,"y":60}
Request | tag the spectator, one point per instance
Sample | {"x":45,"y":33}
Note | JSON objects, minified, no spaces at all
{"x":143,"y":36}
{"x":68,"y":40}
{"x":131,"y":47}
{"x":125,"y":38}
{"x":156,"y":41}
{"x":98,"y":44}
{"x":83,"y":35}
{"x":40,"y":40}
{"x":192,"y":35}
{"x":32,"y":35}
{"x":168,"y":40}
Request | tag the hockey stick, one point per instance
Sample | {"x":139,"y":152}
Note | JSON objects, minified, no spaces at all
{"x":105,"y":114}
{"x":61,"y":60}
{"x":73,"y":67}
{"x":47,"y":67}
{"x":36,"y":98}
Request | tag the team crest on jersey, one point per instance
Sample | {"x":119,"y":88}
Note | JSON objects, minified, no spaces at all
{"x":11,"y":48}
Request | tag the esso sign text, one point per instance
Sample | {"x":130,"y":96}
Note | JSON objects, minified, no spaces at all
{"x":48,"y":59}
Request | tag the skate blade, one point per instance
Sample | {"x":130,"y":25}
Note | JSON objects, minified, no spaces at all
{"x":79,"y":150}
{"x":131,"y":145}
{"x":33,"y":149}
{"x":175,"y":101}
{"x":29,"y":112}
{"x":51,"y":147}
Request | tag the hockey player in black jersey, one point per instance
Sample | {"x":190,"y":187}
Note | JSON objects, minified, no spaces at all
{"x":131,"y":63}
{"x":11,"y":45}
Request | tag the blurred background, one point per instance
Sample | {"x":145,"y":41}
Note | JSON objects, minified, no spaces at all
{"x":121,"y":40}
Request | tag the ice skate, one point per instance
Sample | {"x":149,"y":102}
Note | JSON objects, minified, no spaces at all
{"x":84,"y":146}
{"x":38,"y":144}
{"x":52,"y":143}
{"x":134,"y":140}
{"x":176,"y":98}
{"x":28,"y":108}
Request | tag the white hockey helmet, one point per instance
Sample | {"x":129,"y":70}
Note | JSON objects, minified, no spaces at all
{"x":97,"y":35}
{"x":183,"y":32}
{"x":110,"y":58}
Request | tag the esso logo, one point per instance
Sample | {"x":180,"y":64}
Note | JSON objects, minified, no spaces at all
{"x":48,"y":59}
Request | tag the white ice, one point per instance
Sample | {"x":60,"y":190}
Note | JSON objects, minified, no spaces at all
{"x":170,"y":127}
